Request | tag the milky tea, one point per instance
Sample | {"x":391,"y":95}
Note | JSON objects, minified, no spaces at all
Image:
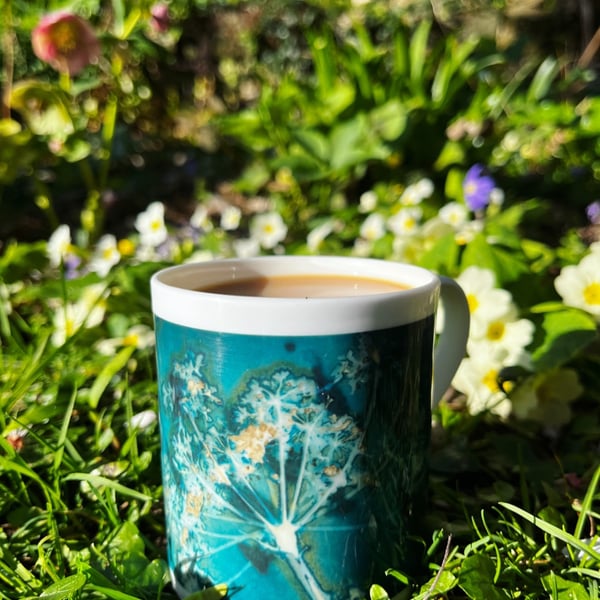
{"x":304,"y":286}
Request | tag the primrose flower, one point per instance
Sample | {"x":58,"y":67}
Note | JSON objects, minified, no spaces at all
{"x":477,"y":187}
{"x":454,"y":213}
{"x":200,"y":219}
{"x":486,"y":302}
{"x":579,"y":285}
{"x":230,"y":218}
{"x":367,"y":202}
{"x":106,"y":255}
{"x":405,"y":221}
{"x":546,"y":397}
{"x":59,"y":245}
{"x":268,"y":229}
{"x":415,"y":193}
{"x":151,"y":225}
{"x":87,"y":312}
{"x":246,"y":247}
{"x":138,"y":336}
{"x":477,"y":378}
{"x":316,"y":236}
{"x":65,"y":41}
{"x":504,"y":337}
{"x":373,"y":227}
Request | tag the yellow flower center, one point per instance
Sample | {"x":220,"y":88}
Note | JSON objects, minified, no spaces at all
{"x":591,"y":293}
{"x":155,"y":225}
{"x":64,"y":37}
{"x":490,"y":380}
{"x":131,"y":339}
{"x":473,"y":302}
{"x":126,"y":247}
{"x":495,"y":331}
{"x":268,"y":228}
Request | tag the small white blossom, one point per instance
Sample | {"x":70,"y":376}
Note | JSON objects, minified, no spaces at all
{"x":230,"y":218}
{"x":268,"y":229}
{"x":454,"y":213}
{"x":477,"y":378}
{"x":87,"y":312}
{"x":579,"y":285}
{"x":486,"y":301}
{"x":138,"y":336}
{"x":150,"y":224}
{"x":59,"y":245}
{"x":373,"y":227}
{"x":405,"y":221}
{"x":246,"y":247}
{"x":417,"y":192}
{"x":367,"y":202}
{"x":317,"y":235}
{"x":200,"y":219}
{"x":497,"y":197}
{"x":106,"y":255}
{"x":143,"y":420}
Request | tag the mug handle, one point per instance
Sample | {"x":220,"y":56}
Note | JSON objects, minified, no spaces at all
{"x":452,"y":342}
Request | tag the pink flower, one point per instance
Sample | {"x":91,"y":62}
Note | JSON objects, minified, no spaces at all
{"x":160,"y":20}
{"x":65,"y":41}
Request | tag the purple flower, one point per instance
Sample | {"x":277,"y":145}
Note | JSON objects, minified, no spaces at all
{"x":477,"y":187}
{"x":593,"y":212}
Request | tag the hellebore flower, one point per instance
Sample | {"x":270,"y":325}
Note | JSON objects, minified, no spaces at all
{"x":65,"y":41}
{"x":160,"y":18}
{"x":477,"y":188}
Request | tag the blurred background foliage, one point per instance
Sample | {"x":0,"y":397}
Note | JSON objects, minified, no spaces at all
{"x":308,"y":100}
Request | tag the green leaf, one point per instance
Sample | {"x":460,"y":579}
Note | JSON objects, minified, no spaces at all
{"x":566,"y":333}
{"x":563,"y":589}
{"x":418,"y":55}
{"x":213,"y":593}
{"x":107,"y":373}
{"x":98,"y":481}
{"x":388,"y":120}
{"x":543,"y":79}
{"x":508,"y":266}
{"x":476,"y":578}
{"x":376,"y":592}
{"x":442,"y":257}
{"x":313,"y":142}
{"x":65,"y":589}
{"x":554,"y":531}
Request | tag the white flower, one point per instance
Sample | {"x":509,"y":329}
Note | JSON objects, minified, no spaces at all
{"x":143,"y":420}
{"x":546,"y":397}
{"x":268,"y":229}
{"x":497,"y":197}
{"x":367,"y":202}
{"x":59,"y":245}
{"x":201,"y":219}
{"x":477,"y":378}
{"x":316,"y":235}
{"x":454,"y":213}
{"x":579,"y":285}
{"x":486,"y":302}
{"x":504,"y":337}
{"x":405,"y":221}
{"x":246,"y":247}
{"x":87,"y":312}
{"x":230,"y":218}
{"x":105,"y":256}
{"x":468,"y":231}
{"x":373,"y":227}
{"x":138,"y":336}
{"x":151,"y":225}
{"x":362,"y":247}
{"x":416,"y":192}
{"x":200,"y":256}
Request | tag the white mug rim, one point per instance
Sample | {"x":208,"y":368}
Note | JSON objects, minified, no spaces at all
{"x":176,"y":299}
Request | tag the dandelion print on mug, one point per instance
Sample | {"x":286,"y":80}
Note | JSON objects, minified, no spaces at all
{"x":295,"y":430}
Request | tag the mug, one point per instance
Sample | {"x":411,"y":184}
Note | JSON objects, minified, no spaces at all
{"x":295,"y":430}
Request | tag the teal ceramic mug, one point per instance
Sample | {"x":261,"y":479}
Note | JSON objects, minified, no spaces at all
{"x":295,"y":430}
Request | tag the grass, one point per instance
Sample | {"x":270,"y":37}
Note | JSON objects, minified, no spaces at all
{"x":512,"y":511}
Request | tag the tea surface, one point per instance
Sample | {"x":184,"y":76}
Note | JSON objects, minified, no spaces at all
{"x":305,"y":286}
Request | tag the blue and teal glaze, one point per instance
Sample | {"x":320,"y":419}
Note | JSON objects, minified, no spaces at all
{"x":292,"y":465}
